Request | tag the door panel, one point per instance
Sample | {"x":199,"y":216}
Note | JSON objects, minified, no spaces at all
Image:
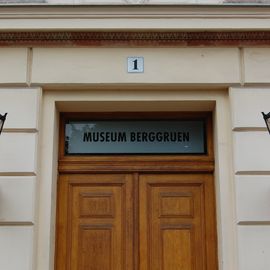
{"x":172,"y":222}
{"x":97,"y":227}
{"x":136,"y":222}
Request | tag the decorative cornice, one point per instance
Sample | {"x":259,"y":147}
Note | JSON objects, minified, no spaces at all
{"x":134,"y":39}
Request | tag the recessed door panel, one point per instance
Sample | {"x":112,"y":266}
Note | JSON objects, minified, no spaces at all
{"x":173,"y":222}
{"x":97,"y":226}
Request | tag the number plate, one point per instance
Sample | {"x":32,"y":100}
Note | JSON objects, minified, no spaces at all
{"x":135,"y":64}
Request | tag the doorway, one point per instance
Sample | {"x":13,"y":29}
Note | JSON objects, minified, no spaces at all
{"x":136,"y":212}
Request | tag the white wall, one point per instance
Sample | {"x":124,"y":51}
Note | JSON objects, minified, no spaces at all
{"x":13,"y":65}
{"x":18,"y":175}
{"x":252,"y":173}
{"x":109,"y":65}
{"x":16,"y":247}
{"x":135,"y":18}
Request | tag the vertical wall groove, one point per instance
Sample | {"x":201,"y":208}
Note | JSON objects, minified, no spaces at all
{"x":29,"y":66}
{"x":242,"y":66}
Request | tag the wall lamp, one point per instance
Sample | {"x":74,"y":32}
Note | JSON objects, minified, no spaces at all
{"x":266,"y":118}
{"x":2,"y":121}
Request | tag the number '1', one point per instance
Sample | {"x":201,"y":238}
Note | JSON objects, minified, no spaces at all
{"x":135,"y":64}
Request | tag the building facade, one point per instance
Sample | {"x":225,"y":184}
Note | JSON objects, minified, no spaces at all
{"x":71,"y":60}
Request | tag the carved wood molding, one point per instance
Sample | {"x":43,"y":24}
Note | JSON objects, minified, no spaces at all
{"x":136,"y":39}
{"x":132,"y":166}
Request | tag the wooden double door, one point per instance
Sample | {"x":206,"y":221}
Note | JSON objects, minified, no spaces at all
{"x":136,"y":221}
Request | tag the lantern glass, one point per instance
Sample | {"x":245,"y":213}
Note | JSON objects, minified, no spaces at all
{"x":268,"y":123}
{"x":1,"y":124}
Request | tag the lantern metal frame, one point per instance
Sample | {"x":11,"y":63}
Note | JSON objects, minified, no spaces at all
{"x":266,"y":118}
{"x":2,"y":121}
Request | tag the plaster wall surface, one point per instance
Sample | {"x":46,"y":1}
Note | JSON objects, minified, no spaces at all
{"x":257,"y":63}
{"x":16,"y":247}
{"x":254,"y":247}
{"x":17,"y":198}
{"x":18,"y":152}
{"x":250,"y":156}
{"x":247,"y":104}
{"x":129,"y":17}
{"x":252,"y":167}
{"x":13,"y":65}
{"x":253,"y":198}
{"x":22,"y":105}
{"x":18,"y":170}
{"x":109,"y":65}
